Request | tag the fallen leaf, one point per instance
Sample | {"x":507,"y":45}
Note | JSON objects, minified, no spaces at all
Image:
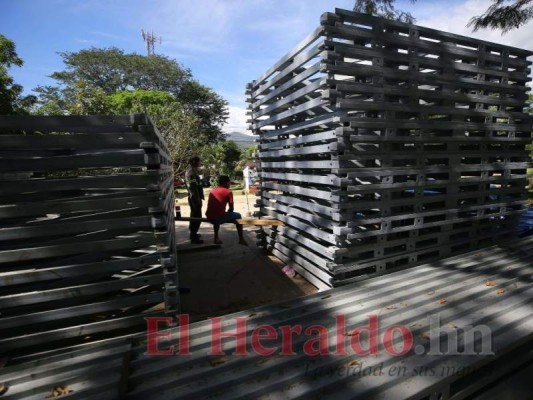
{"x":218,"y":361}
{"x":430,"y":292}
{"x":353,"y":333}
{"x":58,"y":391}
{"x":452,"y":325}
{"x":443,"y":301}
{"x":500,"y":291}
{"x":326,"y":297}
{"x":425,"y":335}
{"x":391,"y":308}
{"x":488,"y":282}
{"x":252,"y":315}
{"x":403,"y":304}
{"x":354,"y":363}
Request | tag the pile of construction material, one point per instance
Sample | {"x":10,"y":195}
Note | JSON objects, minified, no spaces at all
{"x":383,"y":145}
{"x":87,"y":245}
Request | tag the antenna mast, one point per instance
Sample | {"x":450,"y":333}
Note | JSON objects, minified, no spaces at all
{"x":150,"y":39}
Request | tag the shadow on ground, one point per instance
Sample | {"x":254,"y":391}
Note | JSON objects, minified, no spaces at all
{"x":232,"y":277}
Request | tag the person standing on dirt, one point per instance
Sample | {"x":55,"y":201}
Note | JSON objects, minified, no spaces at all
{"x":216,"y":212}
{"x":196,"y":196}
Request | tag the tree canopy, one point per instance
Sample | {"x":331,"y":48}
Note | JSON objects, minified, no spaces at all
{"x":112,"y":70}
{"x":179,"y":125}
{"x":109,"y":81}
{"x":220,"y":158}
{"x":11,"y":99}
{"x":383,"y":8}
{"x":96,"y":81}
{"x":503,"y":16}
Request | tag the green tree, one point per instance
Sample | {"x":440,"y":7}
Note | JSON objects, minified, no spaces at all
{"x":247,"y":157}
{"x":220,"y":158}
{"x":208,"y":105}
{"x":11,"y":99}
{"x":89,"y":100}
{"x":123,"y":102}
{"x":113,"y":71}
{"x":180,"y":127}
{"x":504,"y":15}
{"x":181,"y":130}
{"x":383,"y":8}
{"x":51,"y":101}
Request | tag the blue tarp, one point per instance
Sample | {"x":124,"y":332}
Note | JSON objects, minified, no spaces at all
{"x":525,"y":224}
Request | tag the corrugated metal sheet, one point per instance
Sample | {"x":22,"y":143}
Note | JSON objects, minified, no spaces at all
{"x":490,"y":287}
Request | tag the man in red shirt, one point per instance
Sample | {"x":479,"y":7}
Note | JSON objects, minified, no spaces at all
{"x":216,"y":209}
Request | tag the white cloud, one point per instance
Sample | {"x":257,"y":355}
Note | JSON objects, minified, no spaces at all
{"x":86,"y":41}
{"x":455,"y":19}
{"x":237,"y":120}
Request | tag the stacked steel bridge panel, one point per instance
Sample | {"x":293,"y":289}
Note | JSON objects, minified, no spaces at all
{"x":482,"y":298}
{"x":383,"y":145}
{"x":86,"y":230}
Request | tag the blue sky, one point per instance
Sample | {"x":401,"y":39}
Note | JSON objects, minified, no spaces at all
{"x":225,"y":43}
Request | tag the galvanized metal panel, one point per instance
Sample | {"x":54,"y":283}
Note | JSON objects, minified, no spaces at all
{"x":86,"y":250}
{"x":419,"y":145}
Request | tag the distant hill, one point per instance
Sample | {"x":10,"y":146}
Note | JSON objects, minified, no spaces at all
{"x":242,"y":140}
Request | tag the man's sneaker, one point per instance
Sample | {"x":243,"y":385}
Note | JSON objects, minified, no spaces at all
{"x":197,"y":241}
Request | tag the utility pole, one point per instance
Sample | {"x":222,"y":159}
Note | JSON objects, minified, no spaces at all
{"x":150,"y":38}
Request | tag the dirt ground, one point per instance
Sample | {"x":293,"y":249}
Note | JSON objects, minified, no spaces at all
{"x":232,"y":277}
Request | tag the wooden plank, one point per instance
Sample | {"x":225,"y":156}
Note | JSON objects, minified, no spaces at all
{"x":260,"y":222}
{"x":196,"y":219}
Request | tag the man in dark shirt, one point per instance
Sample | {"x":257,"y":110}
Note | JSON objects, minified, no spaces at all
{"x":216,"y":209}
{"x":196,"y":195}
